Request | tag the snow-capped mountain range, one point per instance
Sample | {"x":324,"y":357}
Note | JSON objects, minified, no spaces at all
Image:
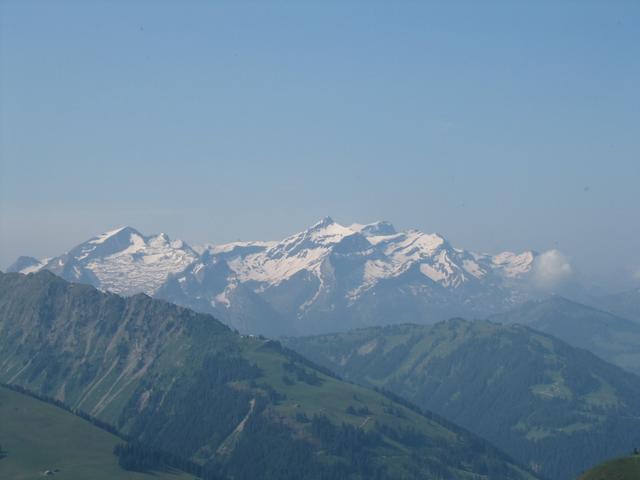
{"x":122,"y":261}
{"x":328,"y":277}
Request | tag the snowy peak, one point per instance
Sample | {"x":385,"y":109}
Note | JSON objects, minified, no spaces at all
{"x":330,"y":277}
{"x":118,"y":234}
{"x":417,"y":243}
{"x":328,"y":272}
{"x":374,"y":229}
{"x":271,"y":263}
{"x":124,"y":241}
{"x":323,"y":223}
{"x":122,"y":260}
{"x":513,"y":265}
{"x":235,"y":248}
{"x":25,"y":265}
{"x":320,"y":236}
{"x":373,"y":252}
{"x":108,"y":243}
{"x":324,"y":232}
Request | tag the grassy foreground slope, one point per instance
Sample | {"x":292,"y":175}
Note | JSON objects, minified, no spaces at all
{"x":36,"y":436}
{"x":551,"y":406}
{"x":244,"y":407}
{"x":626,"y":468}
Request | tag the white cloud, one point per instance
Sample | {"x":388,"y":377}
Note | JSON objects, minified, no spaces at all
{"x":550,"y":270}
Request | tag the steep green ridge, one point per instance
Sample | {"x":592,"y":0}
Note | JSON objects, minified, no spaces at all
{"x":615,"y":339}
{"x":184,"y":383}
{"x":626,"y":468}
{"x":553,"y":407}
{"x":36,"y":436}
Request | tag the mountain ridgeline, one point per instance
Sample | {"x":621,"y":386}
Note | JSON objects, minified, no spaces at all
{"x":244,"y":407}
{"x":328,"y":277}
{"x":556,"y":408}
{"x":609,"y":336}
{"x":625,"y":304}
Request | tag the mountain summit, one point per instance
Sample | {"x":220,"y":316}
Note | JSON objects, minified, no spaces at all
{"x":121,"y":261}
{"x":333,"y":277}
{"x":327,"y":277}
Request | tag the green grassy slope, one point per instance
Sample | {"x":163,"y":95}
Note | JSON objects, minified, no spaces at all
{"x":553,"y":407}
{"x":36,"y":436}
{"x":184,"y":383}
{"x":627,"y":468}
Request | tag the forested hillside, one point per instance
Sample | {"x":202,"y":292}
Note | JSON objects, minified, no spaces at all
{"x":613,"y":338}
{"x":245,"y":407}
{"x":556,"y":408}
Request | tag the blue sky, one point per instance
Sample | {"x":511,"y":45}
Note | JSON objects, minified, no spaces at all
{"x":501,"y":125}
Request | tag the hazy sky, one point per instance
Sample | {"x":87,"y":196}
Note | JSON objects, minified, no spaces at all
{"x":501,"y":125}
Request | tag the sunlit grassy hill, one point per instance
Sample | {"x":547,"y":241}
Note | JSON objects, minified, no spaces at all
{"x":626,"y":468}
{"x":36,"y":436}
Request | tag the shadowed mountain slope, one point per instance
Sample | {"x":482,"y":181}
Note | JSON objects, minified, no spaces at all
{"x":554,"y":407}
{"x":615,"y":339}
{"x":184,"y":383}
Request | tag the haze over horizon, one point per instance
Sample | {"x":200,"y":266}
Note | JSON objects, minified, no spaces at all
{"x":225,"y":121}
